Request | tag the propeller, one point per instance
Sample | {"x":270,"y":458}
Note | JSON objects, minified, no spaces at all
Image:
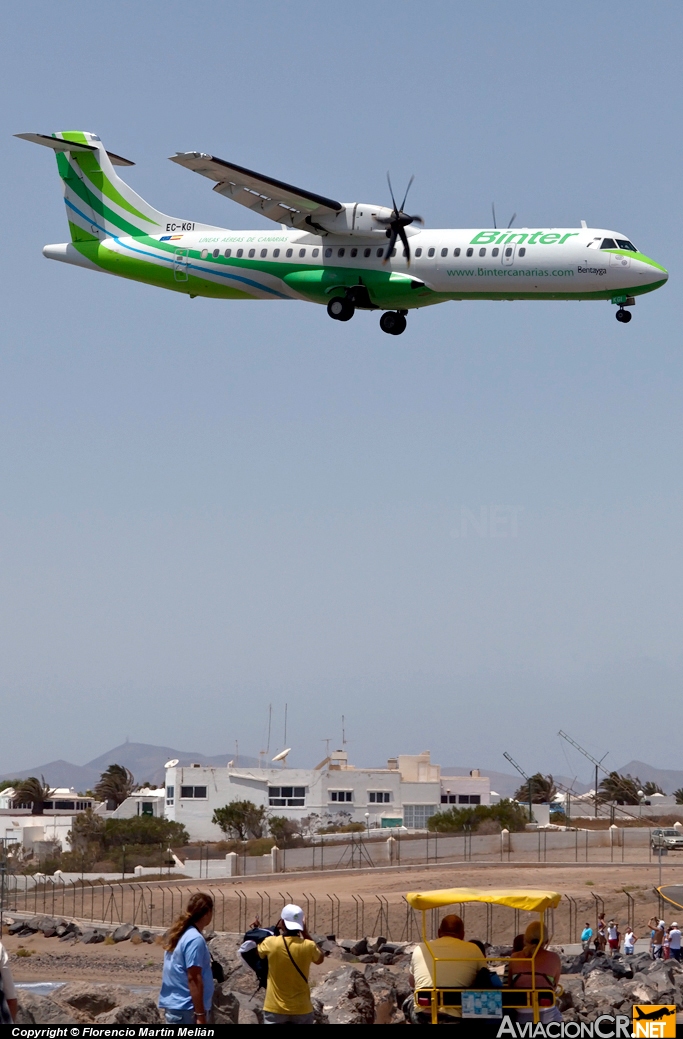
{"x":493,"y":210}
{"x":398,"y":221}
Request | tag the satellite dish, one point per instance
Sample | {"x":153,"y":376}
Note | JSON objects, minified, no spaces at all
{"x":172,"y":763}
{"x":282,"y":755}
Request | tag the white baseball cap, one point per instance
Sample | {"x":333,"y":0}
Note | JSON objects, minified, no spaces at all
{"x":293,"y":917}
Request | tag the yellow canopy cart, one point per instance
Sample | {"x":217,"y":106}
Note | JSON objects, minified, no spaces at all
{"x":526,"y":899}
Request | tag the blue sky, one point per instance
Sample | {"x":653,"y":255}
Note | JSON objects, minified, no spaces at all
{"x":206,"y":507}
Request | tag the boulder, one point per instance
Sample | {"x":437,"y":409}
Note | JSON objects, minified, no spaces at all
{"x":326,"y":946}
{"x":573,"y":964}
{"x":141,"y":1011}
{"x":224,"y":949}
{"x":355,"y":947}
{"x":91,"y":936}
{"x":384,"y":990}
{"x":147,"y":937}
{"x":369,"y":957}
{"x":42,"y":1010}
{"x":49,"y":926}
{"x":640,"y":991}
{"x":572,"y":994}
{"x":123,"y":932}
{"x":226,"y":1006}
{"x":375,"y":944}
{"x":17,"y":927}
{"x":395,"y":948}
{"x":94,"y":999}
{"x":345,"y":998}
{"x":386,"y":957}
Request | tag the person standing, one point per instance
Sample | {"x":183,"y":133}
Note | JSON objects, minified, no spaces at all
{"x":675,"y":942}
{"x":8,"y":993}
{"x":613,"y":937}
{"x":630,"y":939}
{"x":586,"y":936}
{"x":658,"y":940}
{"x":290,"y":954}
{"x":187,"y":983}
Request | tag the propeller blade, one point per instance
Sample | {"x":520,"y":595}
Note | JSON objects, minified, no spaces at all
{"x":392,"y":243}
{"x":404,"y":238}
{"x":493,"y":210}
{"x":417,"y":220}
{"x":391,"y":192}
{"x":512,"y":219}
{"x":406,"y":194}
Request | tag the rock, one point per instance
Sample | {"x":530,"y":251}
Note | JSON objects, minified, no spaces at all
{"x":327,"y":946}
{"x":94,"y":999}
{"x":48,"y":926}
{"x":16,"y":928}
{"x":360,"y":947}
{"x":33,"y":924}
{"x":369,"y":957}
{"x":147,"y":937}
{"x":226,"y":1006}
{"x":123,"y":932}
{"x":141,"y":1011}
{"x":395,"y":948}
{"x":61,"y":930}
{"x":382,"y":984}
{"x":225,"y":950}
{"x":573,"y":991}
{"x":601,"y":988}
{"x":638,"y":991}
{"x":41,"y":1010}
{"x":386,"y":957}
{"x":375,"y":944}
{"x":91,"y":936}
{"x":346,"y":998}
{"x":573,"y":964}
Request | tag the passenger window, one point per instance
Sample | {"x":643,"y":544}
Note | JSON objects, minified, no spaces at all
{"x":508,"y":251}
{"x":522,"y":251}
{"x":380,"y":252}
{"x":418,"y":252}
{"x":608,"y":243}
{"x":252,"y":252}
{"x":276,"y":252}
{"x":240,"y":252}
{"x":482,"y":252}
{"x":264,"y":253}
{"x":354,"y":252}
{"x":328,"y":253}
{"x":315,"y":252}
{"x":456,"y":252}
{"x":216,"y":252}
{"x":340,"y":252}
{"x":444,"y":252}
{"x":470,"y":252}
{"x":494,"y":252}
{"x":302,"y":252}
{"x":204,"y":253}
{"x":227,"y":253}
{"x":431,"y":252}
{"x":366,"y":252}
{"x":289,"y":253}
{"x":623,"y":243}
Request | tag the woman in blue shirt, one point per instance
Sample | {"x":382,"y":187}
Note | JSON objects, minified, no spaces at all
{"x":187,"y":983}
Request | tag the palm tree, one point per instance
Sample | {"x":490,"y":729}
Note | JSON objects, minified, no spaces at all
{"x":651,"y":788}
{"x":115,"y":785}
{"x":622,"y":790}
{"x":678,"y":794}
{"x":32,"y":791}
{"x":543,"y":790}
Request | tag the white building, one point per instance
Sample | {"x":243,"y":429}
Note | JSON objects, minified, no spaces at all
{"x":405,"y":793}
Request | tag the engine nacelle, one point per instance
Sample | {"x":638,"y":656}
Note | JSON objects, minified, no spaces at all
{"x":356,"y":218}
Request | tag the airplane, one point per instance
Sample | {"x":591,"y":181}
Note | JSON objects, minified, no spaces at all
{"x":327,"y":252}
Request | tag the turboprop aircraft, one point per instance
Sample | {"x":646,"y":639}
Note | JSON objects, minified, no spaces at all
{"x":327,"y":252}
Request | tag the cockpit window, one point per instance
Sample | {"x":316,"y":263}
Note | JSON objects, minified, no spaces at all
{"x":608,"y":243}
{"x":623,"y":243}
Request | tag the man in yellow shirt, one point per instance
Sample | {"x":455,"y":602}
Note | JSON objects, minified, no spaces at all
{"x":290,"y":954}
{"x":458,"y":968}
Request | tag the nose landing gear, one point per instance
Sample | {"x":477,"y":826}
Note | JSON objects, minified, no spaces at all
{"x":393,"y":322}
{"x":623,"y":315}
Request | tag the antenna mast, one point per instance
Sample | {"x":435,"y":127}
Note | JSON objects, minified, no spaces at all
{"x":598,"y":764}
{"x":528,"y":780}
{"x":285,"y":725}
{"x":343,"y":733}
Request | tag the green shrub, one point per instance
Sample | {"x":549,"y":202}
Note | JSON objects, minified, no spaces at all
{"x":507,"y":814}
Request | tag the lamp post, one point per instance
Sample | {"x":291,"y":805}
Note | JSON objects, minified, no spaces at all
{"x":367,"y":821}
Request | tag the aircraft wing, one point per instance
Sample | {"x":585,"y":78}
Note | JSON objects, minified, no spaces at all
{"x":280,"y":202}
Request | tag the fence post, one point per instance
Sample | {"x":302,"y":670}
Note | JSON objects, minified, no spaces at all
{"x":391,"y":846}
{"x":232,"y":864}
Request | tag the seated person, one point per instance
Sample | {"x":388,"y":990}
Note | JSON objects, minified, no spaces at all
{"x":458,"y":969}
{"x":546,"y":966}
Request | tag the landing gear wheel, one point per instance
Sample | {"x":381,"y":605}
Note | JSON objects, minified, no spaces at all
{"x":340,"y":309}
{"x":393,"y":323}
{"x":623,"y":315}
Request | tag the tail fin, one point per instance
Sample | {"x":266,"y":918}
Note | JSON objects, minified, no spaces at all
{"x":98,"y":203}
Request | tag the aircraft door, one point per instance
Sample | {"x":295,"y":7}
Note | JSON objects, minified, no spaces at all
{"x":509,"y":255}
{"x":180,"y":265}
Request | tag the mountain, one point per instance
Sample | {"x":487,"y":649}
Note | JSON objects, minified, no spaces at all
{"x":668,"y":778}
{"x":145,"y":761}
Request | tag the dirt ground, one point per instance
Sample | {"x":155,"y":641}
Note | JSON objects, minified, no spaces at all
{"x":363,"y":903}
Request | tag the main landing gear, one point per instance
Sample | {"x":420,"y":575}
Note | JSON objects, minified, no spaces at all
{"x":623,"y":315}
{"x":393,"y":322}
{"x":341,"y":308}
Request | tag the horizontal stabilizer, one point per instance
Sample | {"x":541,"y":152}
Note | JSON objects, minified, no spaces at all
{"x":281,"y":202}
{"x":59,"y":145}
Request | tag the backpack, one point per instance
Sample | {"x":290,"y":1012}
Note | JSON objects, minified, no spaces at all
{"x":249,"y":952}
